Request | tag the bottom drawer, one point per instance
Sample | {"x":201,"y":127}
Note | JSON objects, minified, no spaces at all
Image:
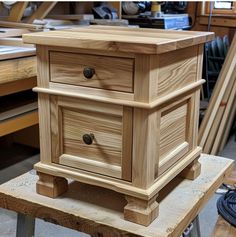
{"x":92,"y":136}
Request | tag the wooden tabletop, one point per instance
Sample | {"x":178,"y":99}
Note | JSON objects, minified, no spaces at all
{"x":96,"y":210}
{"x":125,"y":39}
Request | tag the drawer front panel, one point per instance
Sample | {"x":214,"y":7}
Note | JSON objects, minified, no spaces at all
{"x":92,"y":136}
{"x":108,"y":73}
{"x":107,"y":131}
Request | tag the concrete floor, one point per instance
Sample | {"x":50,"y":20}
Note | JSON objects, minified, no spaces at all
{"x":208,"y":215}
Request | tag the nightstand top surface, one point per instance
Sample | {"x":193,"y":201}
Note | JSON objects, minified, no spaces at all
{"x":120,"y":39}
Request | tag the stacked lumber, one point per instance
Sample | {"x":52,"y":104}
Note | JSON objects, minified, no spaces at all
{"x":218,"y":119}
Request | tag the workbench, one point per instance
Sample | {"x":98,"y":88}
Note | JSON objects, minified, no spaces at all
{"x":17,"y":74}
{"x":89,"y":208}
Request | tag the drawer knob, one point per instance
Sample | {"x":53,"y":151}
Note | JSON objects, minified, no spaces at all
{"x":88,"y":72}
{"x":88,"y":138}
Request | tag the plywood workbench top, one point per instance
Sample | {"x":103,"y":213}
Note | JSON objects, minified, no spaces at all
{"x":124,"y":39}
{"x":96,"y":211}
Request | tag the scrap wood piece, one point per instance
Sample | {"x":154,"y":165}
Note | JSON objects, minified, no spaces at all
{"x":223,"y":229}
{"x":218,"y":121}
{"x":17,"y":11}
{"x":218,"y":93}
{"x":42,"y":11}
{"x":6,"y":32}
{"x":72,"y":17}
{"x":227,"y":128}
{"x":226,"y":115}
{"x":31,"y":27}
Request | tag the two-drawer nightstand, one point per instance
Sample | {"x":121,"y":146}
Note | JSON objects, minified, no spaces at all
{"x":118,"y":108}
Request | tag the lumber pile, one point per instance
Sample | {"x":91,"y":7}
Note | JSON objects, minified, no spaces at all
{"x":219,"y":116}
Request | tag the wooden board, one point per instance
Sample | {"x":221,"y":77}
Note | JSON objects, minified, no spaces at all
{"x":12,"y":32}
{"x":223,"y":229}
{"x":42,"y":11}
{"x":17,"y":11}
{"x":17,"y":69}
{"x":147,"y":41}
{"x":95,"y":210}
{"x":9,"y":52}
{"x":20,"y":122}
{"x":223,"y":83}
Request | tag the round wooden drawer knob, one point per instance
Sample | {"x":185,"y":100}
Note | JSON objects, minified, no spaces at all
{"x":88,"y":72}
{"x":88,"y":138}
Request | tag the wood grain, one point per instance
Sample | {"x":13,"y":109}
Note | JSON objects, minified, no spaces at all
{"x":42,"y":11}
{"x":110,"y":151}
{"x":173,"y":130}
{"x":110,"y":73}
{"x":17,"y":69}
{"x":160,"y":102}
{"x":223,"y":229}
{"x":177,"y":69}
{"x":102,"y":214}
{"x":17,"y":11}
{"x":20,"y":122}
{"x":115,"y":41}
{"x":218,"y":93}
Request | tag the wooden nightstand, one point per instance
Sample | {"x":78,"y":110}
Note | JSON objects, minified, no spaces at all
{"x":118,"y":108}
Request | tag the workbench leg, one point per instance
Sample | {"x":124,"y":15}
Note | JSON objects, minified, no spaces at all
{"x":141,"y":211}
{"x":196,"y":228}
{"x":25,"y":226}
{"x":51,"y":186}
{"x":192,"y":171}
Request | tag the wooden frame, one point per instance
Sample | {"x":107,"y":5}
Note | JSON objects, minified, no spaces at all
{"x":219,"y":11}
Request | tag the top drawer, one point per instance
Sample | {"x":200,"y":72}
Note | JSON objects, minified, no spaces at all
{"x":110,"y":73}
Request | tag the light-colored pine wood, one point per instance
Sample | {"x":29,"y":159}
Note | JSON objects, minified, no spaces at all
{"x":110,"y":73}
{"x":156,"y":103}
{"x":177,"y":69}
{"x":43,"y":77}
{"x":228,"y":128}
{"x":225,"y":117}
{"x":17,"y":69}
{"x":42,"y":11}
{"x":104,"y":210}
{"x":51,"y":186}
{"x":119,"y":185}
{"x":12,"y":32}
{"x":218,"y":93}
{"x":20,"y":25}
{"x":119,"y":42}
{"x":111,"y":148}
{"x":20,"y":122}
{"x":172,"y":129}
{"x":141,"y":211}
{"x":16,"y":86}
{"x":217,"y":123}
{"x":145,"y":147}
{"x":17,"y":11}
{"x":223,"y":229}
{"x":141,"y":107}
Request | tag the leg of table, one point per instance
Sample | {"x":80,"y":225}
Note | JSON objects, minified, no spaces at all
{"x":140,"y":211}
{"x":192,"y":171}
{"x":196,"y":228}
{"x":51,"y":186}
{"x":25,"y":226}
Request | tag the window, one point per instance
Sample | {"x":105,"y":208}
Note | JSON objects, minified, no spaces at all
{"x":221,"y":7}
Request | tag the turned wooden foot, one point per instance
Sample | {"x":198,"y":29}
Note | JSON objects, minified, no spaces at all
{"x":192,"y":171}
{"x":140,"y":211}
{"x":51,"y":186}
